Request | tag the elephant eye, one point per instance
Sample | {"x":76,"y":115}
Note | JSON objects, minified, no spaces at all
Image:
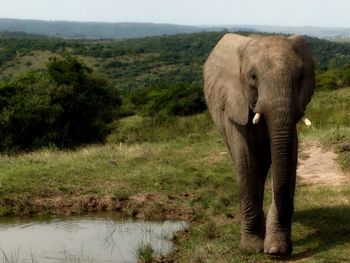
{"x":301,"y":77}
{"x":253,"y":79}
{"x":301,"y":74}
{"x":253,"y":76}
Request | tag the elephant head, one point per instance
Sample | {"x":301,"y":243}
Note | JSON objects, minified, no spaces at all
{"x":271,"y":80}
{"x":245,"y":74}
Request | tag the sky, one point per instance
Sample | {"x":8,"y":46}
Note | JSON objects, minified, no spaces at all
{"x":325,"y":13}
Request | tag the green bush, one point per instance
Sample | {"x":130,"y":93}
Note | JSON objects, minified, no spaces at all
{"x":332,"y":79}
{"x":26,"y":113}
{"x":163,"y":101}
{"x":65,"y":107}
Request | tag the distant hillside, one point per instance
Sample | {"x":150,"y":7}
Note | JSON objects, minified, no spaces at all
{"x":320,"y":32}
{"x":137,"y":63}
{"x":93,"y":29}
{"x":99,"y":30}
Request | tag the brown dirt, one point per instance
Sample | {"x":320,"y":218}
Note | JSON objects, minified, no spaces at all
{"x":318,"y":166}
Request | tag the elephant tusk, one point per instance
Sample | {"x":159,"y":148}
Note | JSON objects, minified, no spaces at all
{"x":306,"y":121}
{"x":256,"y":118}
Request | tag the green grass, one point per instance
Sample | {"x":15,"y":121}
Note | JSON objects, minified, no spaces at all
{"x":144,"y":253}
{"x":116,"y":170}
{"x":186,"y":163}
{"x":36,"y":60}
{"x":137,"y":129}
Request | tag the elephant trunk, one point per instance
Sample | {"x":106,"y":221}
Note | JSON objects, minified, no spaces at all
{"x":283,"y":142}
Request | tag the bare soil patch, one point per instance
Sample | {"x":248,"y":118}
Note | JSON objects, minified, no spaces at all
{"x":319,"y":166}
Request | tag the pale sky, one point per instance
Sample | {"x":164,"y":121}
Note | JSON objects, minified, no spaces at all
{"x":329,"y":13}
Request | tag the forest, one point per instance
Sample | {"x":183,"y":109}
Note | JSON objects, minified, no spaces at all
{"x":52,"y":90}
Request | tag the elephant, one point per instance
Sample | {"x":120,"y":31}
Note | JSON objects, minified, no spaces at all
{"x":256,"y":89}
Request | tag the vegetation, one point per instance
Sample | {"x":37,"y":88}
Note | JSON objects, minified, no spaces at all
{"x":93,"y":29}
{"x":159,"y":77}
{"x":164,"y":101}
{"x":145,"y":253}
{"x":134,"y":64}
{"x":138,"y":129}
{"x":64,"y":107}
{"x":333,"y":78}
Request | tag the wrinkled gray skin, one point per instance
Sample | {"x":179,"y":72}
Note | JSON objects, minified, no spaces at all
{"x":275,"y":77}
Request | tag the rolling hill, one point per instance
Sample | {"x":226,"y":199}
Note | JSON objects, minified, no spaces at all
{"x":102,"y":30}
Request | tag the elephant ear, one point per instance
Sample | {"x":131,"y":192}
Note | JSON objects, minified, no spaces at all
{"x":308,"y":78}
{"x":222,"y":87}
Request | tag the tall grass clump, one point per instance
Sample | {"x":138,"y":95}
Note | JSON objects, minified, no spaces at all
{"x":137,"y":129}
{"x":144,"y":253}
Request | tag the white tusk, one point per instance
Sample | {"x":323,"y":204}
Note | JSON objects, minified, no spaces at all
{"x":256,"y":118}
{"x":306,"y":121}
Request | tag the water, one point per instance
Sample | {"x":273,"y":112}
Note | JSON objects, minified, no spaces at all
{"x":83,"y":239}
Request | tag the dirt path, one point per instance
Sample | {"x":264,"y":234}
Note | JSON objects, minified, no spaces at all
{"x":319,"y":166}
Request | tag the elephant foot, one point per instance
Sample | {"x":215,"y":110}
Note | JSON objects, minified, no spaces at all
{"x":252,"y":243}
{"x":278,"y":245}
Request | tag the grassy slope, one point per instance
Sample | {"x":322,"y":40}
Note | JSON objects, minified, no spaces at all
{"x":37,"y":60}
{"x":192,"y":171}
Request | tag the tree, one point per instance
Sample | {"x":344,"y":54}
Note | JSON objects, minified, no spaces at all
{"x":88,"y":101}
{"x":65,"y":107}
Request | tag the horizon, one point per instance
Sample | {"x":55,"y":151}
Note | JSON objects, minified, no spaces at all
{"x":287,"y":13}
{"x":175,"y":24}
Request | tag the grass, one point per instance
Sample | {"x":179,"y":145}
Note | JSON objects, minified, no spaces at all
{"x":144,"y":253}
{"x":137,"y":129}
{"x":183,"y":168}
{"x":36,"y":60}
{"x":117,"y":170}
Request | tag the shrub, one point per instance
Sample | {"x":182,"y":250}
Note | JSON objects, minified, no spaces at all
{"x":332,"y":79}
{"x":65,"y":107}
{"x":26,"y":113}
{"x":162,"y":100}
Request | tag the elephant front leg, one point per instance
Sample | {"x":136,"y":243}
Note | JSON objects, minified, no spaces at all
{"x":251,"y":189}
{"x":278,"y":224}
{"x":279,"y":219}
{"x":278,"y":234}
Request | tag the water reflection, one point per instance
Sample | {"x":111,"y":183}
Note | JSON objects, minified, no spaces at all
{"x":83,"y":239}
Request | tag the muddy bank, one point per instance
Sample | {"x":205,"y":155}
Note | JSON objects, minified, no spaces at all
{"x":157,"y":206}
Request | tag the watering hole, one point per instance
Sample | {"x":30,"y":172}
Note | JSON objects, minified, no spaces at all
{"x":83,"y":239}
